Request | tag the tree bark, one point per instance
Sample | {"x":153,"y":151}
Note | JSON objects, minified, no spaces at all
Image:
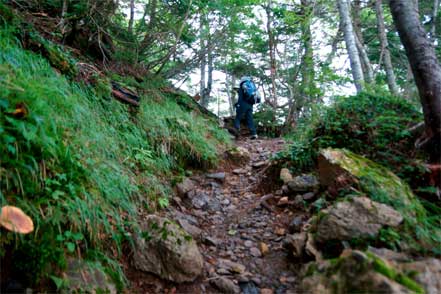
{"x":390,"y":76}
{"x":366,"y":65}
{"x":272,"y":52}
{"x":203,"y":65}
{"x":351,"y":46}
{"x":434,"y":20}
{"x":426,"y":70}
{"x":132,"y":16}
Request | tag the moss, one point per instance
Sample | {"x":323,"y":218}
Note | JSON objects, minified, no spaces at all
{"x":381,"y":267}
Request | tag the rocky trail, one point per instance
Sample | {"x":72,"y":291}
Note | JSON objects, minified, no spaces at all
{"x":251,"y":227}
{"x":239,"y":231}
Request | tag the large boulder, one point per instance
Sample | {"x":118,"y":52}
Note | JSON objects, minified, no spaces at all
{"x":359,"y":218}
{"x":357,"y":272}
{"x":167,"y":251}
{"x":184,"y":187}
{"x":339,"y":168}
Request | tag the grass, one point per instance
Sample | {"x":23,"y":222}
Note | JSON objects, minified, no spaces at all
{"x":82,"y":166}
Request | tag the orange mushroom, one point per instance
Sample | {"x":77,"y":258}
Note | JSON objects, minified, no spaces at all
{"x":14,"y":219}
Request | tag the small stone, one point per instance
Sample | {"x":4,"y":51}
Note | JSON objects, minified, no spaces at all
{"x":285,"y":175}
{"x":186,"y":186}
{"x":239,"y":171}
{"x":211,"y":241}
{"x":226,"y":202}
{"x":285,"y":189}
{"x":259,"y":164}
{"x":266,"y":291}
{"x":295,"y":225}
{"x":255,"y":252}
{"x":283,"y":201}
{"x":256,"y":280}
{"x":223,"y":272}
{"x":220,"y":177}
{"x":298,"y":200}
{"x":248,"y":288}
{"x":309,"y":196}
{"x":194,"y":231}
{"x":231,"y":266}
{"x":264,"y":249}
{"x":248,"y":243}
{"x":225,"y":285}
{"x":280,"y":231}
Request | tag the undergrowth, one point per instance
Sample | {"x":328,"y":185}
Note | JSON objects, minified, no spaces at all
{"x":81,"y":166}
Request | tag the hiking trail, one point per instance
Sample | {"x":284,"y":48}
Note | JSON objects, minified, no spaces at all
{"x":239,"y":235}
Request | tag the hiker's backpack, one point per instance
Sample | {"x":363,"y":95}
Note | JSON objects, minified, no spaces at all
{"x":250,"y":94}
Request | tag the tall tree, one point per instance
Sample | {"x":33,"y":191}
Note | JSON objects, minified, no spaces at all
{"x":390,"y":76}
{"x":426,"y":70}
{"x":132,"y":16}
{"x":351,"y":46}
{"x":272,"y":46}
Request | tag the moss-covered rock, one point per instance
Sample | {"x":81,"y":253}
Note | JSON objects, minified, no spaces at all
{"x":339,"y":167}
{"x":357,"y":272}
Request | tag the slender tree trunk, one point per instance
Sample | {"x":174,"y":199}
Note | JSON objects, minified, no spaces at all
{"x":390,"y":76}
{"x":203,"y":65}
{"x":132,"y":16}
{"x":308,"y":56}
{"x":272,"y":52}
{"x":351,"y":46}
{"x":426,"y":70}
{"x":210,"y":60}
{"x":366,"y":65}
{"x":148,"y":39}
{"x":434,"y":20}
{"x":63,"y":15}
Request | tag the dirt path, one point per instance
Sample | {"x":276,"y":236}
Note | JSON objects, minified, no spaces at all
{"x":240,"y":239}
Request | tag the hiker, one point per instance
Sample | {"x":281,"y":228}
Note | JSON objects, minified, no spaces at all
{"x":248,"y":96}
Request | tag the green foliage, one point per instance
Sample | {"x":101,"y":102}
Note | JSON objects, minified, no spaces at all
{"x":81,"y":166}
{"x":368,"y":124}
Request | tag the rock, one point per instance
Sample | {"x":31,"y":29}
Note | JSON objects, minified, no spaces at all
{"x":296,"y":244}
{"x":285,"y":189}
{"x":211,"y":241}
{"x":264,"y":249}
{"x":389,"y":254}
{"x":259,"y":164}
{"x":266,"y":291}
{"x":309,"y":196}
{"x":239,"y":171}
{"x":238,"y":155}
{"x":194,"y":231}
{"x":82,"y":276}
{"x":296,"y":224}
{"x":283,"y":201}
{"x":339,"y":167}
{"x":186,"y":186}
{"x":225,"y":285}
{"x":248,"y":243}
{"x":311,"y":248}
{"x":428,"y":273}
{"x":285,"y":176}
{"x":231,"y":266}
{"x":248,"y":288}
{"x":200,"y":200}
{"x":357,"y":272}
{"x":298,"y":201}
{"x":254,"y":251}
{"x":359,"y":218}
{"x":280,"y":231}
{"x":171,"y":256}
{"x":303,"y":183}
{"x":220,"y":177}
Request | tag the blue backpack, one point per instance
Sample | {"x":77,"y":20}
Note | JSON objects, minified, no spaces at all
{"x":250,"y":92}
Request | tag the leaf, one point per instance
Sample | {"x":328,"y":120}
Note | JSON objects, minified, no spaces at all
{"x":70,"y":247}
{"x":57,"y":281}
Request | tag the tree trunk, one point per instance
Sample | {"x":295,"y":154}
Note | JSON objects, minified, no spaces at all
{"x":307,"y":84}
{"x":132,"y":16}
{"x":203,"y":65}
{"x":366,"y":65}
{"x":426,"y":71}
{"x":272,"y":52}
{"x":351,"y":46}
{"x":434,"y":20}
{"x":390,"y":76}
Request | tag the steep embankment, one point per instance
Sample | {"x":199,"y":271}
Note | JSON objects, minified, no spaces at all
{"x":82,"y":165}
